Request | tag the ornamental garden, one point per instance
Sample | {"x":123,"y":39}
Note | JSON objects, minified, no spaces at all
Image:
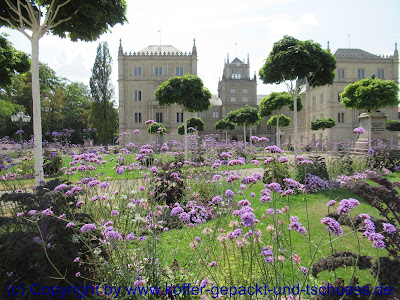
{"x":230,"y":215}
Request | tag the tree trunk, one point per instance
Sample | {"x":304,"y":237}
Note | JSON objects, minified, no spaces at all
{"x":369,"y":132}
{"x":278,"y":136}
{"x":185,"y":128}
{"x":37,"y":119}
{"x":226,"y":137}
{"x":296,"y":94}
{"x":244,"y":135}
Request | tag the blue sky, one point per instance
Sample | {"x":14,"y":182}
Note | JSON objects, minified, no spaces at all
{"x":254,"y":25}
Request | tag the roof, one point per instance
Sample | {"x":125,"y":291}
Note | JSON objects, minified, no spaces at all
{"x":236,"y":60}
{"x":215,"y":100}
{"x":158,"y":48}
{"x":354,"y":53}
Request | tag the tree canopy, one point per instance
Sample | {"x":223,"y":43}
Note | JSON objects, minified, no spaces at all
{"x":12,"y":61}
{"x":193,"y":122}
{"x":370,"y":94}
{"x":225,"y":125}
{"x":393,"y":125}
{"x":246,"y":116}
{"x":156,"y":128}
{"x":322,"y":123}
{"x":276,"y":101}
{"x":187,"y":91}
{"x":283,"y":121}
{"x":292,"y":59}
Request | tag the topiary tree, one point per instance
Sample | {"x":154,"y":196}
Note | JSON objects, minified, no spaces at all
{"x":247,"y":116}
{"x":156,"y":128}
{"x":79,"y":20}
{"x":370,"y":94}
{"x":193,"y":122}
{"x":186,"y":91}
{"x":323,"y":124}
{"x":225,"y":126}
{"x":274,"y":103}
{"x":392,"y":125}
{"x":297,"y":64}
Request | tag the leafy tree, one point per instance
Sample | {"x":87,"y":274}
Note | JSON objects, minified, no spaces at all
{"x":370,"y":94}
{"x":79,"y":20}
{"x":298,"y":63}
{"x":225,"y":126}
{"x":7,"y":128}
{"x":194,"y":122}
{"x":274,"y":103}
{"x":103,"y":116}
{"x":392,"y":126}
{"x":76,"y":109}
{"x":186,"y":91}
{"x":158,"y":129}
{"x":11,"y":61}
{"x":322,"y":123}
{"x":279,"y":120}
{"x":247,"y":116}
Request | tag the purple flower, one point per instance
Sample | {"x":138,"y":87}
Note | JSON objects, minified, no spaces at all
{"x":273,"y":149}
{"x":136,"y":131}
{"x":114,"y":213}
{"x":332,"y":225}
{"x":270,"y":211}
{"x":77,"y":274}
{"x":248,"y":219}
{"x":268,"y":255}
{"x":346,"y":205}
{"x":269,"y":160}
{"x":130,"y":237}
{"x":47,"y":212}
{"x":331,"y":203}
{"x":88,"y":227}
{"x":359,"y":130}
{"x":120,"y":170}
{"x":60,"y":187}
{"x":20,"y":214}
{"x":296,"y":225}
{"x":283,"y":159}
{"x":304,"y":270}
{"x":70,"y":224}
{"x":141,"y":238}
{"x":229,"y":193}
{"x":32,"y":212}
{"x":104,"y":185}
{"x":389,"y":228}
{"x":213,"y":264}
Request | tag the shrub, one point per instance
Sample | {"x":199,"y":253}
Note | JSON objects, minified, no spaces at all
{"x":52,"y":162}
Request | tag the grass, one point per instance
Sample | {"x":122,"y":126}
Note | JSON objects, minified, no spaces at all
{"x":317,"y":209}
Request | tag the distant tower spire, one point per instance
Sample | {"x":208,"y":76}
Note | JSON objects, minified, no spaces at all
{"x":194,"y":50}
{"x":248,"y":59}
{"x":120,"y":50}
{"x":396,"y":53}
{"x":227,"y":59}
{"x":328,"y":46}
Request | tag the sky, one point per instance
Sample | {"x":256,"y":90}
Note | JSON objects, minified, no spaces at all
{"x":220,"y":27}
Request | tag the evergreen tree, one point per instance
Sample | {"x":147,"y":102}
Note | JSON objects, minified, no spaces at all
{"x":103,"y":115}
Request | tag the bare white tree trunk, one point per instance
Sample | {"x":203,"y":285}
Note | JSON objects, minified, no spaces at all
{"x":244,"y":135}
{"x":185,"y":128}
{"x":296,"y":94}
{"x":370,"y":132}
{"x":37,"y":118}
{"x":278,"y":135}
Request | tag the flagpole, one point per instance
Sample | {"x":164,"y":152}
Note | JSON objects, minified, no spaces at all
{"x":159,"y":30}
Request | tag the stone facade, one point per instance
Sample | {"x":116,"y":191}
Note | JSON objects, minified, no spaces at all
{"x":139,"y":75}
{"x":324,"y":102}
{"x":236,"y":89}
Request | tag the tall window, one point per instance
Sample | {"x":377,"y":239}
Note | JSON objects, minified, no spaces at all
{"x":179,"y":71}
{"x":179,"y":117}
{"x":245,"y":91}
{"x":361,"y":73}
{"x":138,"y":117}
{"x":321,"y":99}
{"x":245,"y":99}
{"x":137,"y":71}
{"x":381,"y":74}
{"x":233,"y":99}
{"x":138,"y":95}
{"x":158,"y":71}
{"x":340,"y":73}
{"x":236,"y":73}
{"x":314,"y":101}
{"x":233,"y":91}
{"x":159,"y":117}
{"x":340,"y":117}
{"x":215,"y":114}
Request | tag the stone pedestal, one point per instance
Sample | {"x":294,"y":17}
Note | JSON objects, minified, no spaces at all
{"x":378,"y":128}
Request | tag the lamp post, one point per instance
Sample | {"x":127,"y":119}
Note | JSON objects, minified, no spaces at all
{"x":20,"y":119}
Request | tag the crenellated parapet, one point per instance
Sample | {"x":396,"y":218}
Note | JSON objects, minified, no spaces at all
{"x":139,"y":53}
